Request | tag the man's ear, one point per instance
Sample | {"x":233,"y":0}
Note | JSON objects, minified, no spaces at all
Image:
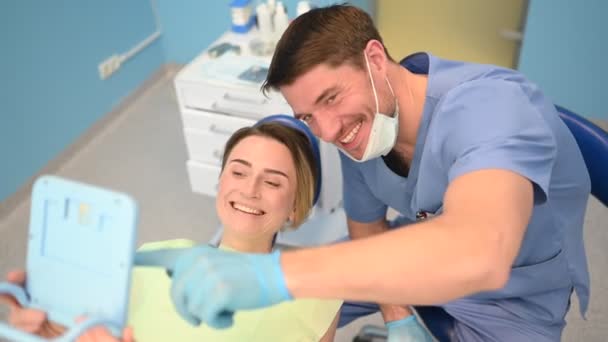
{"x":376,"y":56}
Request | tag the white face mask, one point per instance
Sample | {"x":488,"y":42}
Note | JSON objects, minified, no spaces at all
{"x":383,"y":134}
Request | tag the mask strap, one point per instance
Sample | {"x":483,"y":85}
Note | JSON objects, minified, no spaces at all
{"x":393,"y":93}
{"x":389,"y":86}
{"x":369,"y":71}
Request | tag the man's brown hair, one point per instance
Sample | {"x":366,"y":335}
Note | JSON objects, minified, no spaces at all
{"x":332,"y":35}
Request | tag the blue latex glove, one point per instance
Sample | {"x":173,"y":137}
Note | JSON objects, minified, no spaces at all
{"x":407,"y":330}
{"x":209,"y":285}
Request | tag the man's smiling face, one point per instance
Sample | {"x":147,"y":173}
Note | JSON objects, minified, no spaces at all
{"x":337,"y":103}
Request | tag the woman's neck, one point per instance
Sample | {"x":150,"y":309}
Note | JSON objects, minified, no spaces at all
{"x":240,"y":244}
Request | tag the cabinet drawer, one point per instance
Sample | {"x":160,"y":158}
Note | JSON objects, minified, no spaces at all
{"x":204,"y":178}
{"x":204,"y":146}
{"x":240,"y":102}
{"x":212,"y":122}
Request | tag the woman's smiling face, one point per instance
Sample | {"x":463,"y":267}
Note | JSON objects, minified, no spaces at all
{"x":257,"y":188}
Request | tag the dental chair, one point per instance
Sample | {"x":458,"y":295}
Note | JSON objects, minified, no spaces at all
{"x":593,"y":143}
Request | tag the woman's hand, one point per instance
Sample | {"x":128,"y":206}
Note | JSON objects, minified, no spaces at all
{"x":101,"y":334}
{"x":35,"y":322}
{"x":29,"y":320}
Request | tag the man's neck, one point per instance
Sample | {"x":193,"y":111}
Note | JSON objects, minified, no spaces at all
{"x":397,"y":163}
{"x":410,"y":90}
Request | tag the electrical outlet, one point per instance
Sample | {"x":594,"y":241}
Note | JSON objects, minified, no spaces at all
{"x":109,"y":66}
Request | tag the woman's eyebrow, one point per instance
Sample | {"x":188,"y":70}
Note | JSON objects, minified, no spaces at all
{"x":276,"y":172}
{"x":241,"y":161}
{"x":248,"y":164}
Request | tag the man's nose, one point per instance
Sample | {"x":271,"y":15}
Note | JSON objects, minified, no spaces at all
{"x":327,"y":128}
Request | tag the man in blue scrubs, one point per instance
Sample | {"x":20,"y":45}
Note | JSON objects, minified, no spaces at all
{"x":475,"y":153}
{"x":489,"y":182}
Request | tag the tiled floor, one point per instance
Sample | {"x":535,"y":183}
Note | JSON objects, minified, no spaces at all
{"x":143,"y":153}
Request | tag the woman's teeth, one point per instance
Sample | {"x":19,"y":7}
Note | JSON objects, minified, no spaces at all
{"x":246,"y":209}
{"x":351,"y":136}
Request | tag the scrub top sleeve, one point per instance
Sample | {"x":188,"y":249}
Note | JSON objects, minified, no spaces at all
{"x":492,"y":124}
{"x":360,"y":204}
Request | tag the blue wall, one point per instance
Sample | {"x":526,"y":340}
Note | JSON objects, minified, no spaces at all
{"x":189,"y":26}
{"x":565,"y":50}
{"x":50,"y":89}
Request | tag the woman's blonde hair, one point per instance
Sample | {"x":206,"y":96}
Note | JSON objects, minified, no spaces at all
{"x":300,"y":148}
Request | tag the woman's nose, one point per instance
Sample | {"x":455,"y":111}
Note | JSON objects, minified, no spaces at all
{"x":251,"y":188}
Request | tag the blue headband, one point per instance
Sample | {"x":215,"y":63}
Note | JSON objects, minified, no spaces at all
{"x":292,"y":122}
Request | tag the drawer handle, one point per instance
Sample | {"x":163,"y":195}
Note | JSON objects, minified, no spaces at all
{"x":238,"y":109}
{"x":213,"y":128}
{"x":244,"y":99}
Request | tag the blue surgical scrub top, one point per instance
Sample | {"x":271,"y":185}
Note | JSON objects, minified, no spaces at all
{"x":479,"y":117}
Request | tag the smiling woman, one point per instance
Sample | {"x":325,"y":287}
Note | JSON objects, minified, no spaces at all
{"x":274,"y":160}
{"x":256,"y":194}
{"x":270,"y":179}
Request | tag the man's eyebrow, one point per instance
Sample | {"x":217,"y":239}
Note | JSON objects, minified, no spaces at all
{"x":273,"y":171}
{"x":319,"y":99}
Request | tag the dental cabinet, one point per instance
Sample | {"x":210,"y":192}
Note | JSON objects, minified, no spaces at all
{"x":217,"y":95}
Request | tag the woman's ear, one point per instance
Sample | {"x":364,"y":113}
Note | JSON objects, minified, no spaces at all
{"x":289,"y":223}
{"x":292,"y":216}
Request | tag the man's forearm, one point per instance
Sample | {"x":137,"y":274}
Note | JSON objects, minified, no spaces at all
{"x":467,"y":249}
{"x":395,"y":267}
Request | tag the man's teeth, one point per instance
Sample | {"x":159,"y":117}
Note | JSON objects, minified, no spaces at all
{"x":351,"y":136}
{"x":245,"y":209}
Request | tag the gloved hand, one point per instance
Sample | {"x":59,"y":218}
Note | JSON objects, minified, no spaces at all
{"x":209,"y":285}
{"x":407,"y":330}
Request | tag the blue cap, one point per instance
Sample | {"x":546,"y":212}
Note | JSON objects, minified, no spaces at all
{"x":290,"y":121}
